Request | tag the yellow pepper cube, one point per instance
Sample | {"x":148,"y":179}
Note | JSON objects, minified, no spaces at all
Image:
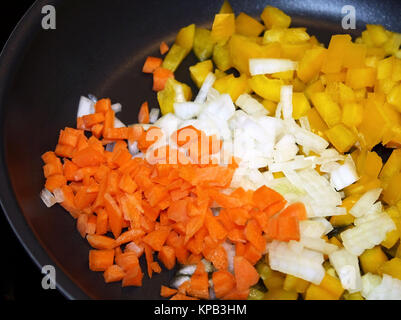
{"x":284,"y":75}
{"x":368,"y":163}
{"x":298,"y":85}
{"x":203,"y":44}
{"x":337,"y":49}
{"x":221,"y":56}
{"x":392,"y":192}
{"x":248,"y":26}
{"x":316,"y":86}
{"x":185,"y":37}
{"x":377,"y":34}
{"x":328,"y":109}
{"x":332,"y":285}
{"x":352,"y":114}
{"x":269,"y":89}
{"x":311,"y":63}
{"x":226,"y":7}
{"x":223,"y":26}
{"x":341,"y":137}
{"x":392,"y":166}
{"x":346,"y":94}
{"x":274,"y":17}
{"x":393,"y":44}
{"x":359,"y":78}
{"x":200,"y":71}
{"x":394,"y":97}
{"x":363,"y":185}
{"x":385,"y":68}
{"x":353,"y":296}
{"x":292,"y":283}
{"x":167,"y":96}
{"x":174,"y":57}
{"x":355,"y":55}
{"x":392,"y":268}
{"x":280,"y":294}
{"x":396,"y":74}
{"x":270,"y":106}
{"x":336,"y":242}
{"x":295,"y":35}
{"x":232,"y":85}
{"x":385,"y":86}
{"x":295,"y":51}
{"x":315,"y":292}
{"x":300,"y":105}
{"x":318,"y":126}
{"x":391,"y":239}
{"x":372,"y":259}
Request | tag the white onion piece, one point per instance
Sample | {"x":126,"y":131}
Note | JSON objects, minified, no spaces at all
{"x":286,"y":101}
{"x":230,"y":249}
{"x":47,"y":198}
{"x":204,"y":90}
{"x":389,"y":289}
{"x":168,"y":123}
{"x":286,"y":149}
{"x":344,"y":175}
{"x":269,"y":66}
{"x":118,"y":123}
{"x":187,"y":110}
{"x":117,"y":107}
{"x":58,"y":195}
{"x":250,"y":105}
{"x":85,"y":107}
{"x":133,"y":147}
{"x":154,"y":115}
{"x":364,"y":203}
{"x":369,"y":282}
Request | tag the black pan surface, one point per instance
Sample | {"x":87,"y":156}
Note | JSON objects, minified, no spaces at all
{"x":99,"y":47}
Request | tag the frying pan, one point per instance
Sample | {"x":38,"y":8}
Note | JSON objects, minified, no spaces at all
{"x":99,"y":47}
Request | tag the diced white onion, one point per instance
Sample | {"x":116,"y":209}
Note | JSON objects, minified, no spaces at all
{"x":187,"y":110}
{"x":118,"y":123}
{"x":117,"y":107}
{"x":250,"y":105}
{"x":58,"y":195}
{"x":269,"y":66}
{"x":369,"y":282}
{"x":85,"y":107}
{"x":47,"y":198}
{"x":389,"y":289}
{"x":344,"y":175}
{"x":364,"y":203}
{"x":204,"y":90}
{"x":286,"y":101}
{"x":154,"y":115}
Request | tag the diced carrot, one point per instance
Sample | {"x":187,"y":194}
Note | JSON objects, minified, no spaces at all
{"x":69,"y":137}
{"x":55,"y":182}
{"x":127,"y":184}
{"x":114,"y":214}
{"x":53,"y":168}
{"x":92,"y":119}
{"x":253,"y":233}
{"x":295,"y":210}
{"x":167,"y":257}
{"x":163,"y":48}
{"x":100,"y":242}
{"x":178,"y":211}
{"x":133,"y":277}
{"x":88,"y":157}
{"x":156,"y":239}
{"x":288,"y":228}
{"x":264,"y":197}
{"x":183,"y":287}
{"x":100,"y":260}
{"x":149,"y":259}
{"x":143,"y":115}
{"x":252,"y":254}
{"x":166,"y":292}
{"x":128,"y":236}
{"x":103,"y":105}
{"x":180,"y":296}
{"x":151,"y":64}
{"x":245,"y":274}
{"x":160,"y":77}
{"x":199,"y":283}
{"x":219,"y":258}
{"x":113,"y":273}
{"x":102,"y":222}
{"x":82,"y":223}
{"x":223,"y":283}
{"x":84,"y":199}
{"x":127,"y":260}
{"x":215,"y":228}
{"x":156,"y":267}
{"x":49,"y":157}
{"x":238,"y":215}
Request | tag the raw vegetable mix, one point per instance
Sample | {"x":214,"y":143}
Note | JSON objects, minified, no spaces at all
{"x":264,"y":186}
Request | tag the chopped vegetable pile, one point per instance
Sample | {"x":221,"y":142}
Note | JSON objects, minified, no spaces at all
{"x":265,"y":186}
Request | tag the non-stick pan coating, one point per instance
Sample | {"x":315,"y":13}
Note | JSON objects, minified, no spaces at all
{"x":99,"y":47}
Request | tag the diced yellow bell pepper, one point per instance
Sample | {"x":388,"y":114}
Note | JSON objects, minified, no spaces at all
{"x":174,"y":57}
{"x":248,"y":26}
{"x":315,"y":292}
{"x":342,"y":220}
{"x":359,"y":78}
{"x":360,"y":94}
{"x":232,"y":85}
{"x":200,"y":71}
{"x":298,"y":85}
{"x":294,"y":52}
{"x":372,"y":259}
{"x":278,"y":175}
{"x":266,"y":88}
{"x":332,"y":88}
{"x":392,"y":268}
{"x":346,"y":94}
{"x":336,"y":242}
{"x":316,"y":86}
{"x":269,"y":106}
{"x":392,"y":166}
{"x":273,"y":35}
{"x":398,"y":252}
{"x":391,"y":239}
{"x":295,"y":284}
{"x":334,"y":77}
{"x":328,"y":109}
{"x":284,"y":75}
{"x":255,"y":294}
{"x":335,"y":54}
{"x":287,"y":36}
{"x":223,"y":26}
{"x":394,"y":97}
{"x":395,"y":214}
{"x":380,"y":53}
{"x":392,"y":192}
{"x":272,"y":279}
{"x":185,"y":37}
{"x":226,"y":7}
{"x":203,"y":44}
{"x":244,"y":48}
{"x":373,"y":125}
{"x":300,"y":105}
{"x":274,"y":17}
{"x":355,"y":56}
{"x":318,"y":126}
{"x":396,"y":74}
{"x":311,"y":63}
{"x":353,"y":296}
{"x":221,"y":56}
{"x":352,"y":114}
{"x":280,"y":294}
{"x":341,"y":137}
{"x":371,"y":61}
{"x":363,"y":185}
{"x":167,"y":96}
{"x":332,"y":285}
{"x":385,"y":68}
{"x":393,"y":44}
{"x":377,"y":34}
{"x":219,"y":74}
{"x":385,"y":85}
{"x":368,"y":163}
